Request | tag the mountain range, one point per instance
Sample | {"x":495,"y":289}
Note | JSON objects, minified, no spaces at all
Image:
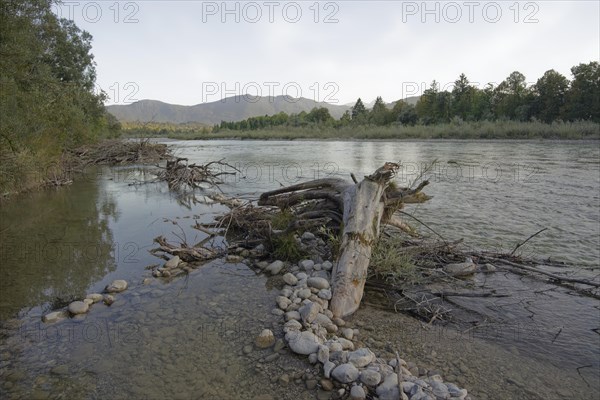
{"x":229,"y":109}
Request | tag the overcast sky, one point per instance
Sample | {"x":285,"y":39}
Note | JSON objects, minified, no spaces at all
{"x":190,"y":52}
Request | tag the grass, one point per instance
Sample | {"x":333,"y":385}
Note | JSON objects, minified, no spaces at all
{"x":287,"y":248}
{"x":391,"y":262}
{"x":455,"y":130}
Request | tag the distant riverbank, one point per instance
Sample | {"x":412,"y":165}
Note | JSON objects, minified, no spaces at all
{"x":462,"y":130}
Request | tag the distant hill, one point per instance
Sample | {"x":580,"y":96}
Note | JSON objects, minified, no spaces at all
{"x":230,"y":109}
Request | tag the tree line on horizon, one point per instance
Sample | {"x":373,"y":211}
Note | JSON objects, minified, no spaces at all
{"x":552,"y":98}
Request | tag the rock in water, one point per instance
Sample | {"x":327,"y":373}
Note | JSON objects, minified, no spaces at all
{"x":78,"y":307}
{"x":461,"y":269}
{"x":173,"y":262}
{"x":95,"y":297}
{"x":303,"y":342}
{"x":54,"y":316}
{"x":265,"y":339}
{"x":116,"y":286}
{"x":345,"y":373}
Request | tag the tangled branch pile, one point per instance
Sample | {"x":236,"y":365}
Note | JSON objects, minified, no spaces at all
{"x":114,"y":152}
{"x":179,"y":174}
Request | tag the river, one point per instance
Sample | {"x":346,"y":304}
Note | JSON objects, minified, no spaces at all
{"x":183,"y":339}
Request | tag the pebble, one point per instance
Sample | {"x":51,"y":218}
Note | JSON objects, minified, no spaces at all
{"x":54,"y":316}
{"x":345,"y":373}
{"x":309,"y":312}
{"x":388,"y":390}
{"x":78,"y":307}
{"x":265,"y":339}
{"x":292,"y":315}
{"x":306,"y":264}
{"x":461,"y":269}
{"x":318,"y":283}
{"x":327,"y":385}
{"x":231,"y":258}
{"x":327,"y":368}
{"x":348,"y":333}
{"x":247,"y":349}
{"x":116,"y":286}
{"x":290,"y":279}
{"x":327,"y":265}
{"x":304,"y":293}
{"x":301,"y":276}
{"x":308,"y":236}
{"x":275,"y":267}
{"x":283,"y":302}
{"x":323,"y":354}
{"x":311,"y":384}
{"x":357,"y":393}
{"x":95,"y":297}
{"x":302,"y":342}
{"x":109,"y":299}
{"x":370,"y":377}
{"x":174,"y":262}
{"x":324,"y":294}
{"x":361,"y":357}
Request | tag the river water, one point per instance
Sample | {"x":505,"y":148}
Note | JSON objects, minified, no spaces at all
{"x":184,"y":338}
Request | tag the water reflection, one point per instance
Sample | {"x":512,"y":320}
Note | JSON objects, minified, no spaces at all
{"x":53,"y":245}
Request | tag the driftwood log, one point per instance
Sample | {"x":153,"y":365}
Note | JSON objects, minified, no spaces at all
{"x":358,"y":209}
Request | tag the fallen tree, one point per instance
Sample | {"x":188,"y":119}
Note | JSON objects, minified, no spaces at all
{"x":357,"y":209}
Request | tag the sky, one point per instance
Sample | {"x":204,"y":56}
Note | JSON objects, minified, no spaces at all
{"x":191,"y":52}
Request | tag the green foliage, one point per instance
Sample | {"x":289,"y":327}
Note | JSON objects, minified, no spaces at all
{"x":48,"y":104}
{"x":287,"y":248}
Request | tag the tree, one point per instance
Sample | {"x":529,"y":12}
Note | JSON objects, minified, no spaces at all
{"x":549,"y":96}
{"x":583,"y":99}
{"x":359,"y":112}
{"x":319,"y":115}
{"x":512,"y":96}
{"x":463,"y":96}
{"x":379,"y":115}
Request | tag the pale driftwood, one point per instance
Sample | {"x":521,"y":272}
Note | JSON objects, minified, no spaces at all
{"x":363,"y":210}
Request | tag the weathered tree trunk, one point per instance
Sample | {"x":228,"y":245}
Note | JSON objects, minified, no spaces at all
{"x":363,"y":211}
{"x":358,"y":209}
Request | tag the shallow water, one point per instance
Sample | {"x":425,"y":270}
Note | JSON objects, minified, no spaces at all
{"x":184,"y":339}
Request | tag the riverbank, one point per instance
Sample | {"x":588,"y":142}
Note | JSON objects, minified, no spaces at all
{"x":23,"y":172}
{"x":481,"y":130}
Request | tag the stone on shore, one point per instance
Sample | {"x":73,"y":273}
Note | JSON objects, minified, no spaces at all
{"x":345,"y":373}
{"x":318,"y":283}
{"x":290,"y":279}
{"x":357,"y":393}
{"x":461,"y":269}
{"x":309,"y":312}
{"x":302,"y":342}
{"x":388,"y":390}
{"x":275,"y":267}
{"x":361,"y":357}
